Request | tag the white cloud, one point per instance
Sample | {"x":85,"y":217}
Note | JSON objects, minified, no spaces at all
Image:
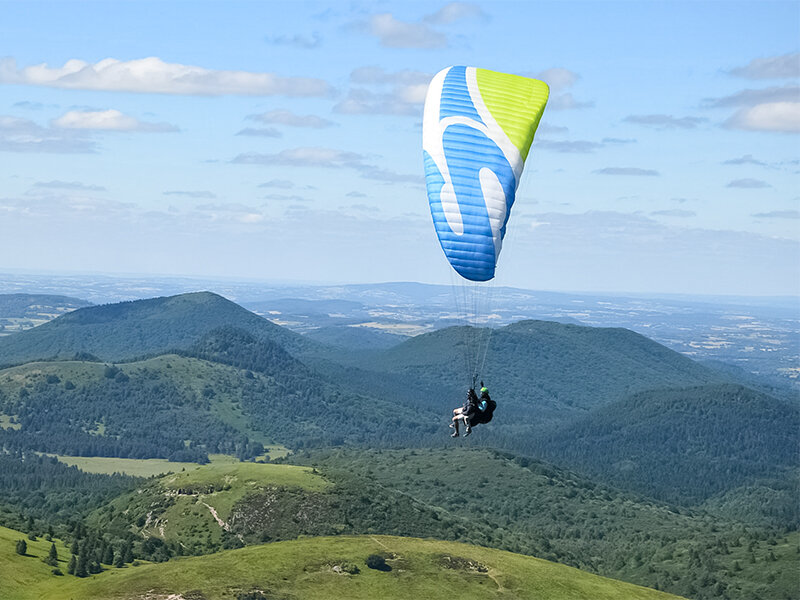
{"x":107,"y":120}
{"x":665,"y":121}
{"x":191,"y":194}
{"x":378,"y":75}
{"x":751,"y":184}
{"x":59,"y":206}
{"x":455,"y":11}
{"x":567,"y":102}
{"x":405,"y":94}
{"x":568,"y":147}
{"x":674,"y":212}
{"x":387,"y":176}
{"x":286,"y":117}
{"x":613,"y":251}
{"x":546,"y":128}
{"x":312,"y":156}
{"x":628,"y":171}
{"x":233,"y":212}
{"x":773,"y":67}
{"x":329,"y":158}
{"x":558,"y":78}
{"x":750,"y":97}
{"x":260,"y":132}
{"x":781,"y":117}
{"x":405,"y":101}
{"x":69,"y":185}
{"x":282,"y":184}
{"x":22,"y":135}
{"x":747,"y":159}
{"x":285,"y":198}
{"x":297,"y":40}
{"x":393,"y":33}
{"x":153,"y":75}
{"x":778,"y":214}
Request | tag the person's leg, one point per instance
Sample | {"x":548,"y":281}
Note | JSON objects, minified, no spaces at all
{"x":456,"y":415}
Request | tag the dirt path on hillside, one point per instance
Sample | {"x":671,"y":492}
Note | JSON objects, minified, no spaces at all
{"x":214,"y":514}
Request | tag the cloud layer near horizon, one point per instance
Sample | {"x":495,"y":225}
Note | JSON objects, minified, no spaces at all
{"x":153,"y":75}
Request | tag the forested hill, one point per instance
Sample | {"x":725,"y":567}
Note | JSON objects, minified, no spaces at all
{"x":32,"y":306}
{"x":544,"y":368}
{"x":115,"y":332}
{"x":682,"y":445}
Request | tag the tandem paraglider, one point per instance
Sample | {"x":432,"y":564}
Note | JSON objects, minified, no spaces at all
{"x":477,"y":130}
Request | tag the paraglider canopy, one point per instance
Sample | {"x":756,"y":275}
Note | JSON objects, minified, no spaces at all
{"x":477,"y":130}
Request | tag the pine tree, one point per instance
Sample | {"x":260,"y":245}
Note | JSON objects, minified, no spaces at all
{"x":22,"y":547}
{"x":80,"y":568}
{"x":52,"y":558}
{"x":108,"y":555}
{"x":127,"y":552}
{"x":71,"y":566}
{"x":119,"y":560}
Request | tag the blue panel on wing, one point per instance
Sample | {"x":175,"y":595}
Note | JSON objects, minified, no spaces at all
{"x":455,"y":100}
{"x":467,"y":150}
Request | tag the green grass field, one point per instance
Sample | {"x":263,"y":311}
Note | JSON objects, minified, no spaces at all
{"x":19,"y":575}
{"x":192,"y":506}
{"x":138,"y":467}
{"x":149,"y":467}
{"x":424,"y":569}
{"x":230,"y":483}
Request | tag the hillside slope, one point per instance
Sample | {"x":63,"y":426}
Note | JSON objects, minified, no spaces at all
{"x":537,"y":509}
{"x":682,"y":445}
{"x":541,"y":371}
{"x":307,"y":569}
{"x":116,"y":332}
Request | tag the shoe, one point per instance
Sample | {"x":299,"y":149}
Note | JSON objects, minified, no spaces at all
{"x":454,"y":434}
{"x":467,"y":431}
{"x":452,"y":425}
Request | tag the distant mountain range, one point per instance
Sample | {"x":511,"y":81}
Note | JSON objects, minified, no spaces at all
{"x":606,"y":401}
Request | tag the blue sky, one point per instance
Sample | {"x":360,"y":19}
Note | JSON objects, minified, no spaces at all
{"x":282,"y":140}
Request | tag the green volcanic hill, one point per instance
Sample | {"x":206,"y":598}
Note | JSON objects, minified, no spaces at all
{"x":319,"y":568}
{"x":126,"y":330}
{"x":535,"y":508}
{"x":682,"y":445}
{"x":541,"y":371}
{"x":236,"y":380}
{"x":228,"y":393}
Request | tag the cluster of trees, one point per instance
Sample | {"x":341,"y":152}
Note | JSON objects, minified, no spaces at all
{"x":682,"y":445}
{"x":92,"y":550}
{"x":523,"y":505}
{"x":38,"y":493}
{"x":295,"y":405}
{"x":144,"y":414}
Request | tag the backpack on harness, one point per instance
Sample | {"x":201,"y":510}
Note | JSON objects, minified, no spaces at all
{"x":485,"y":416}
